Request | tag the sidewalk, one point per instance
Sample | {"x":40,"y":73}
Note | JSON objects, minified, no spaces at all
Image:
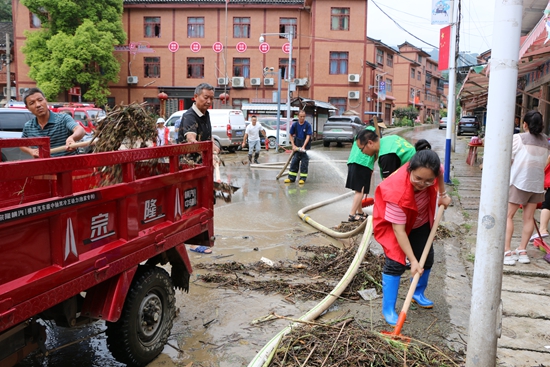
{"x":525,"y":339}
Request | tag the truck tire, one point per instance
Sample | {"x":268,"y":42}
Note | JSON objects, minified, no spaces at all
{"x":146,"y":320}
{"x":326,"y":143}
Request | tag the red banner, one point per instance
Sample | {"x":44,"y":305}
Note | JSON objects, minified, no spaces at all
{"x":444,"y":46}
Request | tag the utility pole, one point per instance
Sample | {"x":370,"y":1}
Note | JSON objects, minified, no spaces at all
{"x":8,"y":73}
{"x":451,"y":99}
{"x":486,"y":306}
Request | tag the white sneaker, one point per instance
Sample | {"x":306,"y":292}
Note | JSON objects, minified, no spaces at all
{"x":510,"y":258}
{"x":522,"y":256}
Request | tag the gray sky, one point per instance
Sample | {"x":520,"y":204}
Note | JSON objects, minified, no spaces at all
{"x":415,"y":16}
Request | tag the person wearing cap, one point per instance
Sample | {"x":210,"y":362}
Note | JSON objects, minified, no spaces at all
{"x":163,"y":137}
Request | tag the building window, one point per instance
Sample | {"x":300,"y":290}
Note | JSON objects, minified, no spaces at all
{"x":339,"y":103}
{"x":413,"y":94}
{"x":419,"y":75}
{"x":241,"y":27}
{"x":288,"y":25}
{"x":152,"y":105}
{"x":151,"y":67}
{"x":380,"y":56}
{"x":151,"y":27}
{"x":388,"y":85}
{"x":283,"y":65}
{"x":35,"y":21}
{"x":195,"y":27}
{"x":241,"y":67}
{"x":338,"y":63}
{"x":195,"y":67}
{"x":339,"y":19}
{"x":389,"y":59}
{"x":238,"y":102}
{"x":420,"y":59}
{"x":111,"y":102}
{"x":413,"y":73}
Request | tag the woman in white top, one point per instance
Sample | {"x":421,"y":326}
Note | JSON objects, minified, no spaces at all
{"x":529,"y":154}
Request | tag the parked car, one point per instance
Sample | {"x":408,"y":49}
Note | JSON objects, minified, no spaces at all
{"x":227,"y":127}
{"x":341,"y":129}
{"x":442,"y":123}
{"x":272,"y":122}
{"x":468,"y":124}
{"x":86,"y":115}
{"x":12,"y":121}
{"x":272,"y":136}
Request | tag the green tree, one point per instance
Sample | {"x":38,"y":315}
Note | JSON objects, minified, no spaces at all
{"x":75,"y":46}
{"x":5,"y":11}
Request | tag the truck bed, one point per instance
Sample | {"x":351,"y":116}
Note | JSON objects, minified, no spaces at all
{"x":62,"y":232}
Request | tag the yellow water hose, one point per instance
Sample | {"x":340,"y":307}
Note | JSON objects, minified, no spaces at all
{"x":285,"y":166}
{"x":263,"y":357}
{"x":328,"y":231}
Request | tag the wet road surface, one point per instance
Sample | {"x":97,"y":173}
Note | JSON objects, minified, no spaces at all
{"x":213,"y":324}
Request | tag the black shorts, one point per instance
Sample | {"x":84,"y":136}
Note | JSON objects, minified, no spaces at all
{"x":389,"y":163}
{"x":546,"y":202}
{"x":358,"y":178}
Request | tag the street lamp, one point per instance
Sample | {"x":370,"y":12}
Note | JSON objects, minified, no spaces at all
{"x":288,"y":36}
{"x":269,"y":71}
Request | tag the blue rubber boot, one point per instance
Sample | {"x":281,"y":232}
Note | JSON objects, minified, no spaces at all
{"x":390,"y":288}
{"x":418,"y":295}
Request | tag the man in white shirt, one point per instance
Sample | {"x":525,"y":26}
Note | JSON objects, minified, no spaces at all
{"x":252,"y":132}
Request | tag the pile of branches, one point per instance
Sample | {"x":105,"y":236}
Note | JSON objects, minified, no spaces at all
{"x":327,"y":264}
{"x":124,"y":127}
{"x":346,"y":343}
{"x":128,"y":126}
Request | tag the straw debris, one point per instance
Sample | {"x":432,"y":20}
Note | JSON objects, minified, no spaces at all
{"x":346,"y":343}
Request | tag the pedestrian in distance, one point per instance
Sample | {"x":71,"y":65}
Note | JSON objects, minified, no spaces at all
{"x":529,"y":156}
{"x":61,"y":128}
{"x":404,"y":212}
{"x":163,"y":133}
{"x":252,"y":133}
{"x":300,"y":137}
{"x":517,"y":128}
{"x":360,"y":167}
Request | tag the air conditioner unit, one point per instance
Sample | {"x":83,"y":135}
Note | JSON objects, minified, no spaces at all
{"x":22,"y":90}
{"x":223,"y":81}
{"x":353,"y":78}
{"x":269,"y":81}
{"x":13,"y":90}
{"x":300,"y":82}
{"x":237,"y":82}
{"x":132,"y":80}
{"x":353,"y":94}
{"x":255,"y":81}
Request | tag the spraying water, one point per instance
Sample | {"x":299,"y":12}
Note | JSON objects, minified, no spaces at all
{"x":339,"y":169}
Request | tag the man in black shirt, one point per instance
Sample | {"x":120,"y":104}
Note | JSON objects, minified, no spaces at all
{"x":195,"y":123}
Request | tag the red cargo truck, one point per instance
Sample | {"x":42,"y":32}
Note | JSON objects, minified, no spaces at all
{"x":75,"y":251}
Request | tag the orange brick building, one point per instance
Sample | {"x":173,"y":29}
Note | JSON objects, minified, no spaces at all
{"x":332,"y":59}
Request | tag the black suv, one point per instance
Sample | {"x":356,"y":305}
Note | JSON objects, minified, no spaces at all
{"x":12,"y":121}
{"x":341,"y":129}
{"x":468,"y":124}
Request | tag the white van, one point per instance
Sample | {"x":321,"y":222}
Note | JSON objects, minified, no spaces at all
{"x":227,"y":127}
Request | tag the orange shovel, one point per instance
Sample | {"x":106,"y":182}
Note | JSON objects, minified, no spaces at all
{"x":396,"y":334}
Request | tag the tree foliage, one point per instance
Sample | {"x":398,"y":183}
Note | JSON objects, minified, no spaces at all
{"x":5,"y":11}
{"x":75,"y":46}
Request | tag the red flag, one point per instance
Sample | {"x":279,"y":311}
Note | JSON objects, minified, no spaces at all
{"x":444,"y":46}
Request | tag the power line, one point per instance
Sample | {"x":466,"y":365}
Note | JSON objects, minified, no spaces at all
{"x":400,"y":27}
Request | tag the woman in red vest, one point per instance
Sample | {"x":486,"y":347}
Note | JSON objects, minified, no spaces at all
{"x":404,"y":212}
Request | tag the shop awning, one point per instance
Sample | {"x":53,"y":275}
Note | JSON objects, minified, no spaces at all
{"x":300,"y":101}
{"x":266,"y":107}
